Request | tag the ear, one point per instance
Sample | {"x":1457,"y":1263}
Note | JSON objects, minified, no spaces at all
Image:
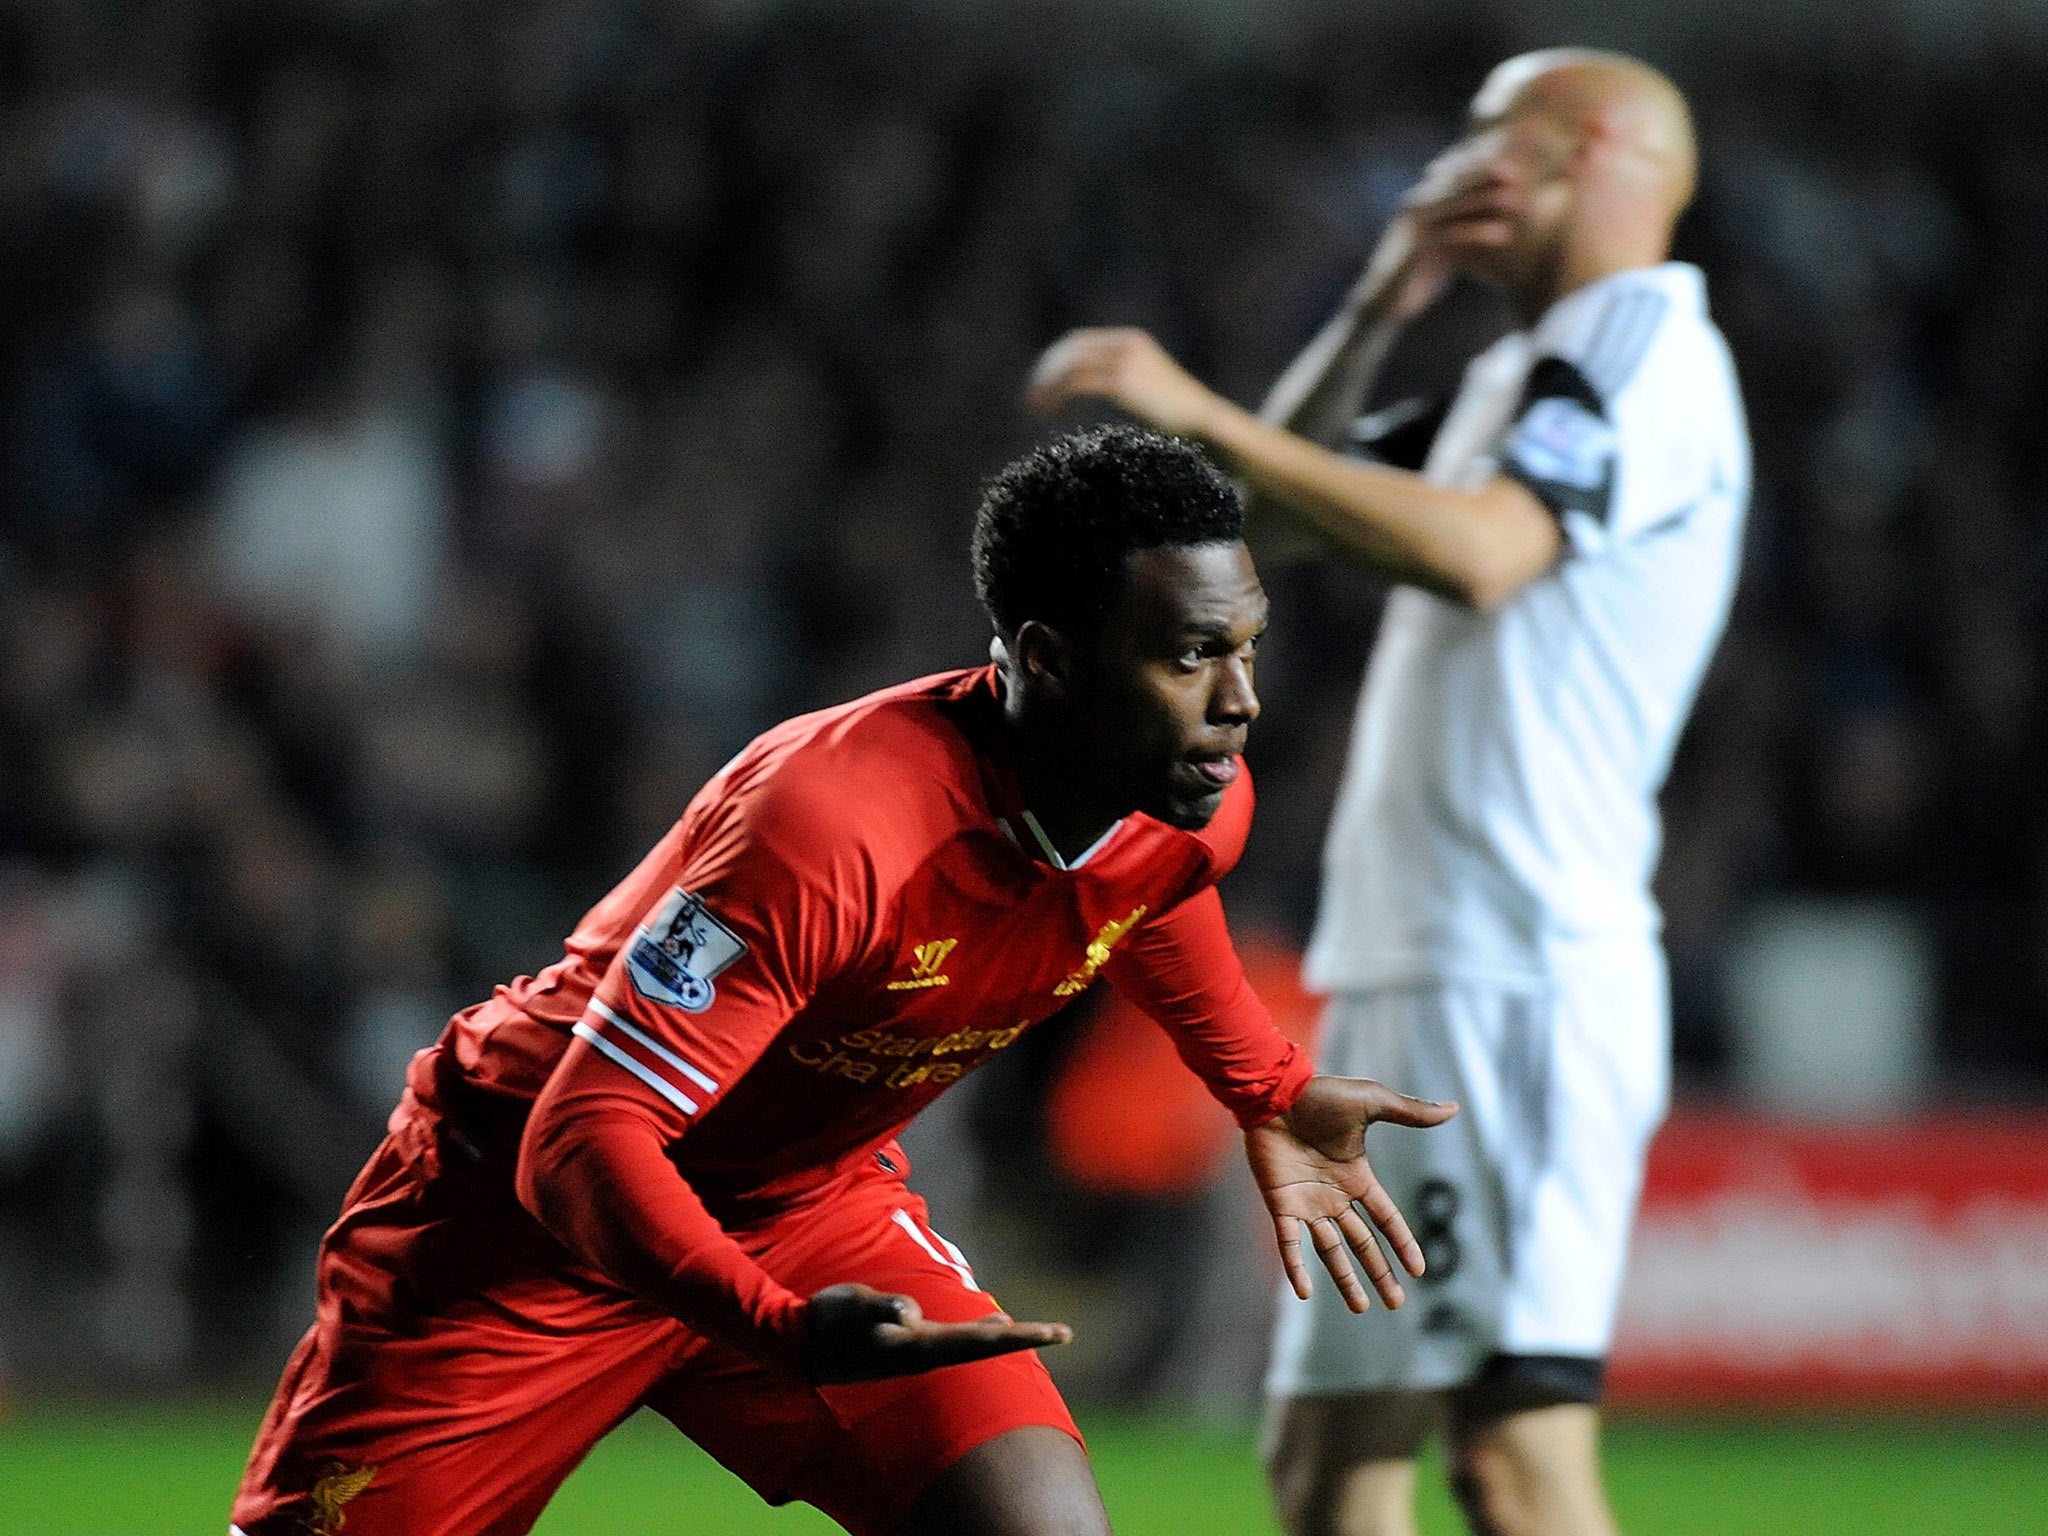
{"x":1041,"y":658}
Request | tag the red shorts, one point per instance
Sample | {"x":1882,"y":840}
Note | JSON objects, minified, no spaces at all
{"x":461,"y":1365}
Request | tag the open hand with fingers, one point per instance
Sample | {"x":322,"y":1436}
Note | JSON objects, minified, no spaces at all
{"x":1311,"y":1171}
{"x":857,"y":1333}
{"x":1129,"y":369}
{"x":1470,"y":200}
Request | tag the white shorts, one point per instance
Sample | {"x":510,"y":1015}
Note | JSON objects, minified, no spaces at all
{"x":1523,"y":1203}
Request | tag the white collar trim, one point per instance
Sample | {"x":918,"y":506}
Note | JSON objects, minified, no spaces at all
{"x":1052,"y":854}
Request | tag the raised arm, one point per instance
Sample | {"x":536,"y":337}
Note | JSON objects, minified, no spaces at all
{"x":1318,"y":398}
{"x":1476,"y":547}
{"x":1323,"y":390}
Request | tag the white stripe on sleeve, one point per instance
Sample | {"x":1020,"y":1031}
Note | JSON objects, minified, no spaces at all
{"x":655,"y":1047}
{"x":647,"y":1075}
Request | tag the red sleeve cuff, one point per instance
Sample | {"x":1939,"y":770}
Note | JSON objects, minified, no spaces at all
{"x":1295,"y":1071}
{"x":778,"y":1333}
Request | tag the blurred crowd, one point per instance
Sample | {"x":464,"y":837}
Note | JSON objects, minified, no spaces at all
{"x":437,"y":435}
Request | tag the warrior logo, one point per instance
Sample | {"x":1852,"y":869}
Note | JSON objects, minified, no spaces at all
{"x":927,"y":966}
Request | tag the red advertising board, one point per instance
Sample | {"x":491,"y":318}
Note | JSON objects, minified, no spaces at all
{"x":1903,"y":1263}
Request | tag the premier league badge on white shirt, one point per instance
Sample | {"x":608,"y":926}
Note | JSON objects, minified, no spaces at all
{"x":1565,"y":443}
{"x":679,"y":950}
{"x":1563,"y":447}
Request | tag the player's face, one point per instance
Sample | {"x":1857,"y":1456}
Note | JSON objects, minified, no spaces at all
{"x":1166,"y":697}
{"x":1514,"y":166}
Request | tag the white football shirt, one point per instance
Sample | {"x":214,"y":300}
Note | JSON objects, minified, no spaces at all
{"x":1498,"y":814}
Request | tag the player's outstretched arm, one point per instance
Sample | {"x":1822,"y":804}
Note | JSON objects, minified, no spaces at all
{"x":1311,"y":1171}
{"x":1476,"y":547}
{"x":857,"y":1333}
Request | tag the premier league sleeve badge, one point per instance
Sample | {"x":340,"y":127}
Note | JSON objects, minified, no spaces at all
{"x":679,"y":950}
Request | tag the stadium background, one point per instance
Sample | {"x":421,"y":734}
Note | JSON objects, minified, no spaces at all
{"x":434,"y":434}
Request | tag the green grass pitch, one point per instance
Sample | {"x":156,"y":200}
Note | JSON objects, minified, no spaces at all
{"x":137,"y":1471}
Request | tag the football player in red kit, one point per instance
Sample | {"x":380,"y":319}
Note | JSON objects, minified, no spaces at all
{"x":663,"y":1172}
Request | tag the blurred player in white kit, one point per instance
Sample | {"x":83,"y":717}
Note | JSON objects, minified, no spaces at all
{"x":1566,"y":541}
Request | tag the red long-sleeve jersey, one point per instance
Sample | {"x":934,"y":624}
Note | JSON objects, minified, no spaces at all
{"x":852,"y":915}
